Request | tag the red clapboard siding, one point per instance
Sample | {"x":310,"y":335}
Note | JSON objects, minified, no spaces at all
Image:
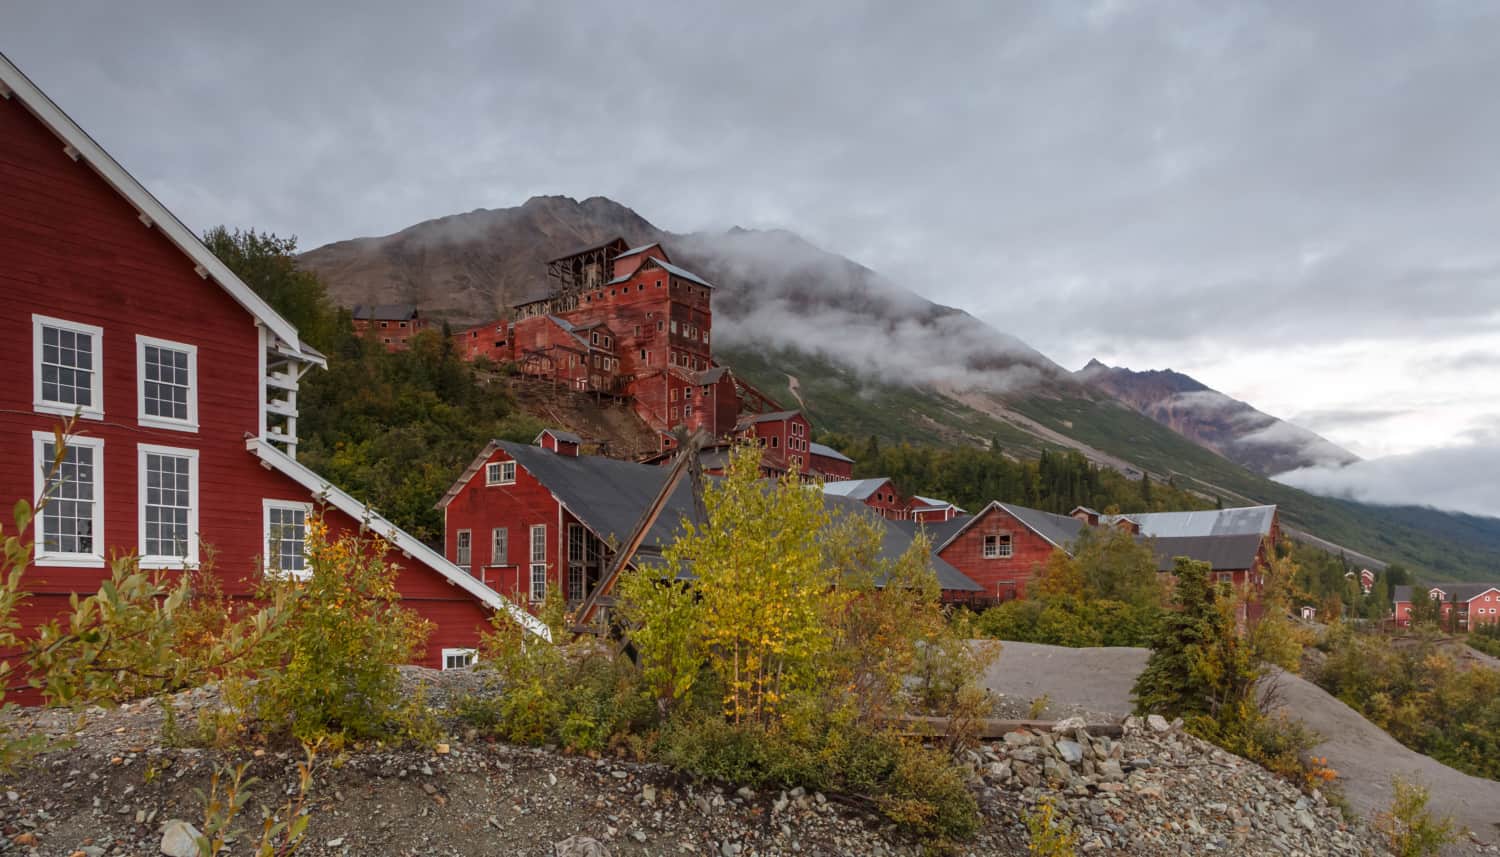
{"x":73,"y":248}
{"x":479,"y":508}
{"x":1001,"y":577}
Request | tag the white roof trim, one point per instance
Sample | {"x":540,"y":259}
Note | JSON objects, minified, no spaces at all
{"x":402,"y":540}
{"x":153,"y":213}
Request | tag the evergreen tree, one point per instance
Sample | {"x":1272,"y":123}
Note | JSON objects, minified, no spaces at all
{"x":1146,"y":491}
{"x":1200,"y":668}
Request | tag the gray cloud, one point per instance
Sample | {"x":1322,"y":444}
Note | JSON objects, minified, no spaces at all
{"x":1097,"y":178}
{"x":1450,"y":478}
{"x":1341,"y":417}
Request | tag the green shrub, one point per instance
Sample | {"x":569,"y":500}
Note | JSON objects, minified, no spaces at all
{"x":918,"y":788}
{"x":334,"y":669}
{"x":1409,"y":825}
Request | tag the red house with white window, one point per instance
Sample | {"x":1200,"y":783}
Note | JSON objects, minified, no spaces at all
{"x":184,"y":383}
{"x":878,"y":492}
{"x":1474,"y":603}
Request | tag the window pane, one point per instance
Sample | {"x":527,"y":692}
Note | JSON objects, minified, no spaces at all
{"x":168,"y":503}
{"x":67,"y":521}
{"x":287,"y":541}
{"x":165,"y":392}
{"x":67,"y":367}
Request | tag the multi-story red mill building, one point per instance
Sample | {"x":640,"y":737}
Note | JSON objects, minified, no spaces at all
{"x":625,"y":322}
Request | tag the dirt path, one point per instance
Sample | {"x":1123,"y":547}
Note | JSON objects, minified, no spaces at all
{"x":1099,"y":680}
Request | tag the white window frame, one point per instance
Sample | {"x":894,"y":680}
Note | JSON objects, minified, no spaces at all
{"x":538,"y":553}
{"x":500,"y":473}
{"x":471,"y":654}
{"x":266,"y":506}
{"x":194,"y":502}
{"x":499,"y":537}
{"x":460,"y":548}
{"x":95,"y":411}
{"x":999,"y":549}
{"x":189,"y":424}
{"x":41,"y":556}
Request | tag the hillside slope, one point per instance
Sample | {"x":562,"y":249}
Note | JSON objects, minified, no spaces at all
{"x":866,"y":357}
{"x":1234,"y":429}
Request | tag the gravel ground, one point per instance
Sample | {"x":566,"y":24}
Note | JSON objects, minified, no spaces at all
{"x":1098,"y":681}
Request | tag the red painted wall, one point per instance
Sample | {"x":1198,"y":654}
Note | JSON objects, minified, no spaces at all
{"x":73,"y":249}
{"x":479,"y":508}
{"x":1001,"y":578}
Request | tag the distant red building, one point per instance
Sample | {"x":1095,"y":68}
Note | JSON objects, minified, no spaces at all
{"x":879,"y":493}
{"x":389,"y":324}
{"x":184,"y":383}
{"x":1465,"y":605}
{"x":829,"y":463}
{"x":526,"y":519}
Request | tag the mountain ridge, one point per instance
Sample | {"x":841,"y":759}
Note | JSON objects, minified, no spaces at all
{"x":868,"y":356}
{"x":1236,"y":430}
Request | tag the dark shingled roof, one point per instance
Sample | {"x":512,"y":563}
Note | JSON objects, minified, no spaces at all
{"x":774,"y":416}
{"x":1224,"y":553}
{"x":1460,"y":591}
{"x":1060,"y":530}
{"x":609,"y":496}
{"x":385,"y":312}
{"x":564,"y":436}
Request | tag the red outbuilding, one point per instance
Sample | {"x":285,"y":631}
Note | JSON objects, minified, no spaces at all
{"x":184,"y":383}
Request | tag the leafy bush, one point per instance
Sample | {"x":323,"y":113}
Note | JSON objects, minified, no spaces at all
{"x":334,"y":669}
{"x":1047,"y":836}
{"x":916,"y":787}
{"x":1417,"y":692}
{"x":1409,"y":824}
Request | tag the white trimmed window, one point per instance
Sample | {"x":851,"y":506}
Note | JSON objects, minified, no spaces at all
{"x":997,"y":546}
{"x":285,"y":523}
{"x":166,"y":383}
{"x":499,"y":546}
{"x":463,"y":549}
{"x":168,"y":503}
{"x":70,"y":526}
{"x":500,"y":473}
{"x":458,"y":659}
{"x":66,"y":367}
{"x":539,"y":562}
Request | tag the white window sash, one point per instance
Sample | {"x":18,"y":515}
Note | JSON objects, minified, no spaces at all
{"x":153,"y":421}
{"x":95,"y":410}
{"x":499,"y":546}
{"x":469,"y":655}
{"x":143,"y":450}
{"x":537,"y":585}
{"x":269,"y":562}
{"x":463,"y":549}
{"x":43,"y":465}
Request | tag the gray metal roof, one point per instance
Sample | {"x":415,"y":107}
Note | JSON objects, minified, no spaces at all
{"x":774,"y":416}
{"x":1223,"y":553}
{"x":641,"y":249}
{"x":1060,"y":530}
{"x":1244,"y":521}
{"x":828,"y":452}
{"x":858,"y":489}
{"x":564,"y":436}
{"x":933,"y":503}
{"x":1460,"y":591}
{"x":682,"y":272}
{"x":385,"y":312}
{"x":609,"y":496}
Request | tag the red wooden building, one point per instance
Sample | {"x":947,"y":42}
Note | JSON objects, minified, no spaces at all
{"x":1474,"y":603}
{"x":389,"y":324}
{"x":879,"y":493}
{"x":829,"y":463}
{"x":184,"y":382}
{"x":523,"y":519}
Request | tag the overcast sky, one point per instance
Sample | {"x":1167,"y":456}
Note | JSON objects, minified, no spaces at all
{"x":1299,"y":204}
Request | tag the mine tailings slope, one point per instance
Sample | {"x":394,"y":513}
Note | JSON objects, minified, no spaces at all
{"x":1365,"y":756}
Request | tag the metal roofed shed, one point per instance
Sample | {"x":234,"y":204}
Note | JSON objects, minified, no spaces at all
{"x":828,"y":452}
{"x":858,"y":489}
{"x":384,"y":312}
{"x":1243,"y":521}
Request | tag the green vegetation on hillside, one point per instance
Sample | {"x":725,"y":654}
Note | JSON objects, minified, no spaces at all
{"x":971,"y":477}
{"x":1437,"y":545}
{"x":1415,"y":690}
{"x":392,"y":428}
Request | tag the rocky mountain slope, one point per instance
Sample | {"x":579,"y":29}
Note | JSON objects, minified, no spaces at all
{"x":866,"y":356}
{"x":1234,"y":429}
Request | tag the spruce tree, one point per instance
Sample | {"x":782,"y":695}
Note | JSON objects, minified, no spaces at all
{"x":1199,"y":666}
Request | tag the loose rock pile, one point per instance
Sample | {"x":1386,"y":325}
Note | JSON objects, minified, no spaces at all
{"x":1159,"y":790}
